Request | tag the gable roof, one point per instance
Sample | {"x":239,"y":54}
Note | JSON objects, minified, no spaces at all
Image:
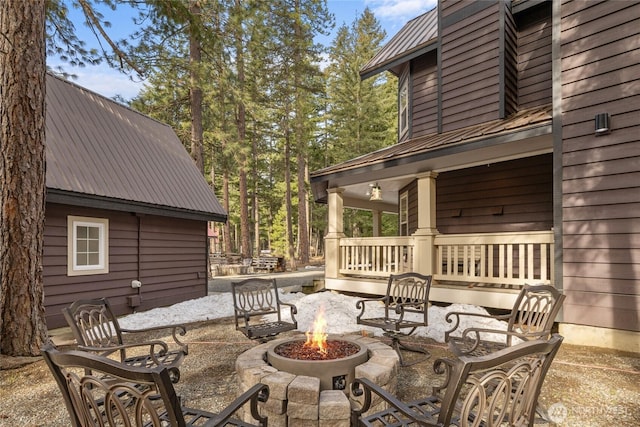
{"x":414,"y":39}
{"x":102,"y":154}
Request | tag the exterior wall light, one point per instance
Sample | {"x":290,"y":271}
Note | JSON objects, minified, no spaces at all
{"x":602,"y":124}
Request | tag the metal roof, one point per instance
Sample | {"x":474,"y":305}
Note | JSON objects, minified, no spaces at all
{"x":102,"y":153}
{"x":519,"y":121}
{"x":411,"y":41}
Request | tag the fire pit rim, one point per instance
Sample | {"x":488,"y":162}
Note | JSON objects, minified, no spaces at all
{"x":361,"y":349}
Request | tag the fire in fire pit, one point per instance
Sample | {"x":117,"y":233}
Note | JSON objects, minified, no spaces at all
{"x":333,"y":349}
{"x":332,"y":360}
{"x":317,"y":347}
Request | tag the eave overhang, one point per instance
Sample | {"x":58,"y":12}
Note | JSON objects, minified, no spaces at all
{"x":98,"y":202}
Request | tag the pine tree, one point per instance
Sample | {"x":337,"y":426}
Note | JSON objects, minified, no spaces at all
{"x":22,"y":176}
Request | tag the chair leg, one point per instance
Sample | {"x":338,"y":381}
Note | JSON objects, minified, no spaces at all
{"x":398,"y":345}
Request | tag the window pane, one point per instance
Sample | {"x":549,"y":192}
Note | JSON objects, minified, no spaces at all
{"x":82,"y":246}
{"x":94,"y":246}
{"x":94,"y":232}
{"x":81,"y":232}
{"x":81,"y":259}
{"x":93,"y":259}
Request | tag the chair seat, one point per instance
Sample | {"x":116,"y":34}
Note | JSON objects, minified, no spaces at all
{"x":170,"y":359}
{"x":389,"y":324}
{"x":266,"y":329}
{"x":460,"y":346}
{"x":195,"y":417}
{"x":428,"y":408}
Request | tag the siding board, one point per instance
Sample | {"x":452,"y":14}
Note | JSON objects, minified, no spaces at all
{"x":522,"y":188}
{"x":172,"y":261}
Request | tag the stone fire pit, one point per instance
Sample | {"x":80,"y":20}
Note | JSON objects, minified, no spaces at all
{"x":299,"y":400}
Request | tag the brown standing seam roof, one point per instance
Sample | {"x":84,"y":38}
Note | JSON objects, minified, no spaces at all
{"x":106,"y":152}
{"x":518,"y":121}
{"x":416,"y":34}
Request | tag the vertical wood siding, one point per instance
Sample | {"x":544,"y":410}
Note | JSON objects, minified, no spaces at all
{"x":534,"y":58}
{"x":470,"y":85}
{"x":425,"y":95}
{"x":172,"y":261}
{"x":515,"y":195}
{"x":600,"y":48}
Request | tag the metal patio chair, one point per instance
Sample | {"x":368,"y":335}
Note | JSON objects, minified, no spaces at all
{"x":102,"y":392}
{"x":532,"y":317}
{"x":96,"y":329}
{"x":407,"y":293}
{"x":494,"y":390}
{"x":254,"y":298}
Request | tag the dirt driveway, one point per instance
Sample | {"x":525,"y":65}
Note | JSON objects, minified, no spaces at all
{"x":585,"y":387}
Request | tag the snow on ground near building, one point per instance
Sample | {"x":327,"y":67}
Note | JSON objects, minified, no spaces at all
{"x":340,"y":312}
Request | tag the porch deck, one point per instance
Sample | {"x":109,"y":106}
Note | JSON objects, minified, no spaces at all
{"x":492,"y":295}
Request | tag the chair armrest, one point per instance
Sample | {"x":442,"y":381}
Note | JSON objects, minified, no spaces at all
{"x":472,"y":335}
{"x":175,"y":330}
{"x":257,"y":393}
{"x":458,"y":314}
{"x":361,"y":303}
{"x":369,"y":387}
{"x":293,"y":310}
{"x":105,"y":351}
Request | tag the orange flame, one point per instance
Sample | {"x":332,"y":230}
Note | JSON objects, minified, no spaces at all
{"x":317,"y":337}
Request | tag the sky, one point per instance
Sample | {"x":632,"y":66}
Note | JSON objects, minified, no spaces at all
{"x":392,"y":15}
{"x":340,"y":312}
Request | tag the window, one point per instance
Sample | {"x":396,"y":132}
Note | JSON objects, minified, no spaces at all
{"x":404,"y":214}
{"x":403,"y":108}
{"x":87,"y":245}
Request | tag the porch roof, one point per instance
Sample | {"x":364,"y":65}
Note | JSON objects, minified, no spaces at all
{"x":525,"y":124}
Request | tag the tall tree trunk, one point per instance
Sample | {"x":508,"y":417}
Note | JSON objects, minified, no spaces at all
{"x":256,"y":207}
{"x":195,"y":56}
{"x":288,"y":196}
{"x":225,"y":202}
{"x":241,"y":122}
{"x":22,"y":176}
{"x":301,"y":149}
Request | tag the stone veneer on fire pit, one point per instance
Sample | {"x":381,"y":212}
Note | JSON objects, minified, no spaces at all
{"x":296,"y":400}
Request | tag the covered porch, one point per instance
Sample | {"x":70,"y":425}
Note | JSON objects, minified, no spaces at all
{"x":485,"y":269}
{"x":478,"y":251}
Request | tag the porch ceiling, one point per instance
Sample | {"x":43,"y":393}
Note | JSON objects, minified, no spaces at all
{"x":526,"y":133}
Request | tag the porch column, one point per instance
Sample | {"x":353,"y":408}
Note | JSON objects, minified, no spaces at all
{"x":377,"y":222}
{"x":424,"y":250}
{"x":335,"y":231}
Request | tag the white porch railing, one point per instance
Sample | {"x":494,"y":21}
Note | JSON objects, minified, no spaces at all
{"x":375,"y":256}
{"x":501,"y":258}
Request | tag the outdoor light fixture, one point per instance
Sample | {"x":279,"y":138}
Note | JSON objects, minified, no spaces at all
{"x":376,"y":192}
{"x":602,"y":124}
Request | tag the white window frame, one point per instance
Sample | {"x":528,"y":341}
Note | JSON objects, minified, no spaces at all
{"x":102,"y":224}
{"x":404,"y":214}
{"x":403,"y":108}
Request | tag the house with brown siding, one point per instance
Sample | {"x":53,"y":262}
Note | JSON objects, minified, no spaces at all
{"x":126,"y":207}
{"x":517,"y":161}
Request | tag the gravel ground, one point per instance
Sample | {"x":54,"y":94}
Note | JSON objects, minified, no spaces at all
{"x":586,"y":386}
